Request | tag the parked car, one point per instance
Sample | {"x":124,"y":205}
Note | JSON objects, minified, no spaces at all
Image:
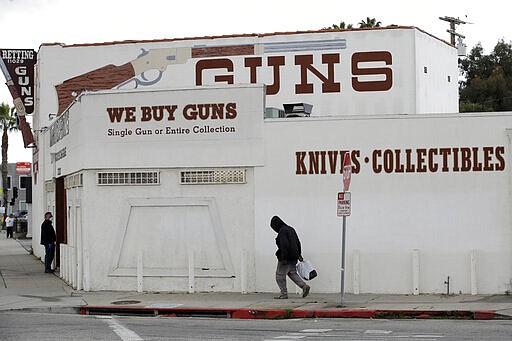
{"x":21,"y":214}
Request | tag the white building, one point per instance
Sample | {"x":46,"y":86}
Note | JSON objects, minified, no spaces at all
{"x":163,"y":174}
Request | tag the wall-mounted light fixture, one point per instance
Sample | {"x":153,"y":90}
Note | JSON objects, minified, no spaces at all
{"x":51,"y":116}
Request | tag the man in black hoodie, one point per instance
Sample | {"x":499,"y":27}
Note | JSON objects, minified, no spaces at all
{"x":288,"y":252}
{"x":48,"y":239}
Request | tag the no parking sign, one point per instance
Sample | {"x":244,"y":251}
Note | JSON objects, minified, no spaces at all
{"x":343,"y":204}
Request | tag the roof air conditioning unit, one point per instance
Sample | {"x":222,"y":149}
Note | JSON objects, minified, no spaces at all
{"x":274,"y":113}
{"x":297,"y":110}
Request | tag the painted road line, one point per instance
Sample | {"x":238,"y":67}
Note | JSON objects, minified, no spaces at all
{"x":124,"y":333}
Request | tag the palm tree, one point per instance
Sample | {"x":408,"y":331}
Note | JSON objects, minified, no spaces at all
{"x":369,"y":23}
{"x":7,"y":124}
{"x":340,"y":27}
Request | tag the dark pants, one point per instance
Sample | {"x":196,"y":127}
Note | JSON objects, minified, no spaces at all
{"x":48,"y":257}
{"x":287,"y":269}
{"x":9,"y":231}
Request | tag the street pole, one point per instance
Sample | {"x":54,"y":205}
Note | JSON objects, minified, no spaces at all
{"x":343,"y":260}
{"x":347,"y":173}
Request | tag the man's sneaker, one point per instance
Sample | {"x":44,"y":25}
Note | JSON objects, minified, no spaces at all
{"x":305,"y":290}
{"x":281,"y":297}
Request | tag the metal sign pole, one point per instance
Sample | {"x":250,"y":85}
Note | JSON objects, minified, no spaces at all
{"x":347,"y":173}
{"x":343,"y":260}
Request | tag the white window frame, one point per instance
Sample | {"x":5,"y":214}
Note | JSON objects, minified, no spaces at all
{"x":19,"y":181}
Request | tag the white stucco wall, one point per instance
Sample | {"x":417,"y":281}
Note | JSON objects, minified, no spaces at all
{"x":438,"y":185}
{"x":166,"y":223}
{"x":436,"y":67}
{"x":108,"y":225}
{"x":444,"y":215}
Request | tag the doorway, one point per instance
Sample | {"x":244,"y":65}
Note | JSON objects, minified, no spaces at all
{"x":61,"y":217}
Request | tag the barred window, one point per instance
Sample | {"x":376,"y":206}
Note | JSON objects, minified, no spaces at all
{"x":129,"y":178}
{"x":75,"y":180}
{"x":213,"y":176}
{"x":49,"y":186}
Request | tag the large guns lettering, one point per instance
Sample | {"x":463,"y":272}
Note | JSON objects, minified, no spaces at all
{"x":26,"y":132}
{"x":110,"y":76}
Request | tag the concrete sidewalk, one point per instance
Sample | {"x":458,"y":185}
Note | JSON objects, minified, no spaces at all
{"x":25,"y":286}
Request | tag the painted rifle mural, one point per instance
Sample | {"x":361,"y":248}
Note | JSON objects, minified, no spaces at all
{"x":111,"y":76}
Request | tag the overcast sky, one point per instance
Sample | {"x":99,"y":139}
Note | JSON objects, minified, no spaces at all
{"x":29,"y":23}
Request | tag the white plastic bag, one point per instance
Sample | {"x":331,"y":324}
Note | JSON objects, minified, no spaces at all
{"x":306,"y":270}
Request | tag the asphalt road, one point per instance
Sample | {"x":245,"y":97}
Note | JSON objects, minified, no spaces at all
{"x":37,"y":326}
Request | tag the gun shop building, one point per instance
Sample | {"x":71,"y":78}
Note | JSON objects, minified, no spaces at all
{"x":163,"y":162}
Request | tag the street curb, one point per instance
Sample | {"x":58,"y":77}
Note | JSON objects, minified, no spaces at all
{"x":273,"y":314}
{"x":48,"y":310}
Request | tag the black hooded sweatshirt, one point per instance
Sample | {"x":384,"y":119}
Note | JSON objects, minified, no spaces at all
{"x":287,"y":241}
{"x":47,"y":233}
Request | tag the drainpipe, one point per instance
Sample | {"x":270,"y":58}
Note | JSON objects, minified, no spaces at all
{"x":509,"y":136}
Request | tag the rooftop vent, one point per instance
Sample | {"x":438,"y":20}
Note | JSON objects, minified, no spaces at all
{"x":297,"y":109}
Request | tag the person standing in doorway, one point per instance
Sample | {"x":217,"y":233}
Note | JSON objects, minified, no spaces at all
{"x":288,"y":252}
{"x":48,"y":239}
{"x":9,"y":224}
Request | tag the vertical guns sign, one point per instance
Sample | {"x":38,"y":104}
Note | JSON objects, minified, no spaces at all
{"x":20,"y":68}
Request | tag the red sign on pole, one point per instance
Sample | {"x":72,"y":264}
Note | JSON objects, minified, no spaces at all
{"x":347,"y":171}
{"x":22,"y":167}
